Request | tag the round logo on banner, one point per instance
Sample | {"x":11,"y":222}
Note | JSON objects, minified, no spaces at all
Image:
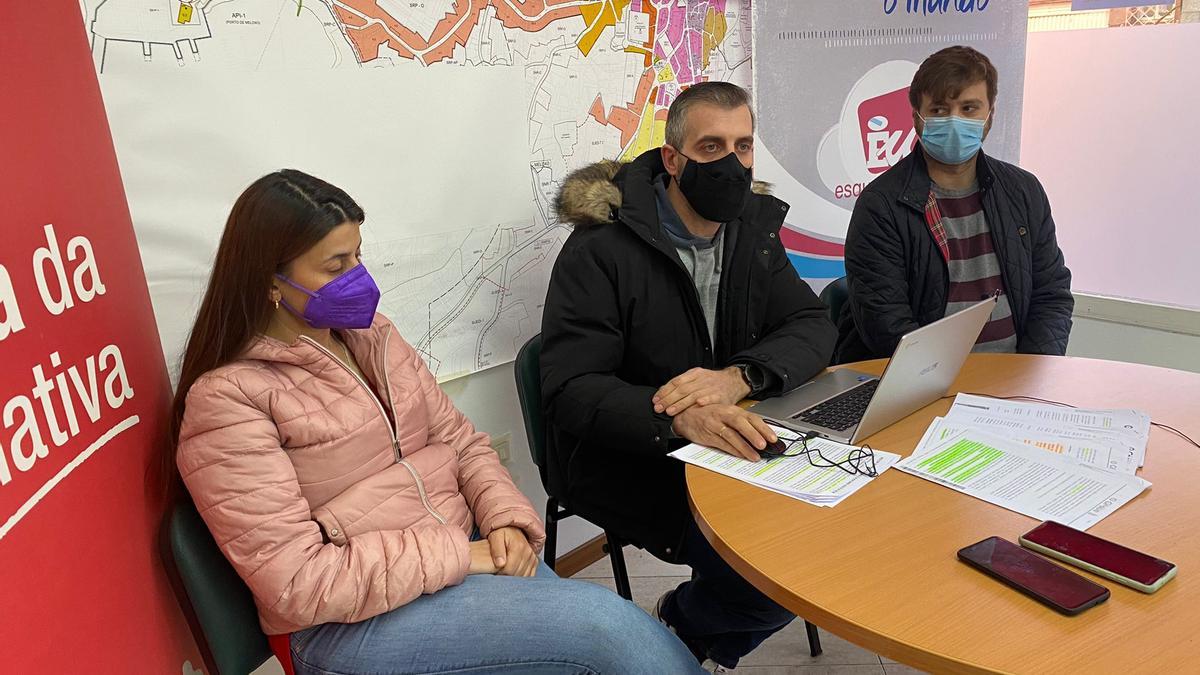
{"x":874,"y":132}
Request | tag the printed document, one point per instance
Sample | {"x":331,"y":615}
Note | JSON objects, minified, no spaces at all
{"x":1127,"y":429}
{"x":1022,"y":478}
{"x":795,"y":475}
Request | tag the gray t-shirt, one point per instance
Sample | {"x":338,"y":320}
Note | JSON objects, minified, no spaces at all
{"x":702,"y":257}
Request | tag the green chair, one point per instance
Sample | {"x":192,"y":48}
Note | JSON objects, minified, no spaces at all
{"x":529,"y":393}
{"x":219,"y":607}
{"x":834,"y":296}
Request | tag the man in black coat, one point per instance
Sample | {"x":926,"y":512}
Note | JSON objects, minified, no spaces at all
{"x":672,"y":300}
{"x":948,"y":226}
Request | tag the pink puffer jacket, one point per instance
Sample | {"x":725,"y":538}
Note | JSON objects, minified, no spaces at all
{"x":328,"y":510}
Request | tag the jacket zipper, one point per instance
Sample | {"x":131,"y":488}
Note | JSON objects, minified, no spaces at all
{"x":387,"y":387}
{"x":382,"y":411}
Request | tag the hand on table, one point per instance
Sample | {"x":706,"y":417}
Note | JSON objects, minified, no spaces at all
{"x":727,"y":428}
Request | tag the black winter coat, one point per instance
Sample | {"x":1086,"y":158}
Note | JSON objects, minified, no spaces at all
{"x":623,"y":317}
{"x":899,"y":280}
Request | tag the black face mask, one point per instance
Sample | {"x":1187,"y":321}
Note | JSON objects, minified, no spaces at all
{"x":717,"y":190}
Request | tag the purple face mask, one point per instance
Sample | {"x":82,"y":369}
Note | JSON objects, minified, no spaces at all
{"x":349,"y":301}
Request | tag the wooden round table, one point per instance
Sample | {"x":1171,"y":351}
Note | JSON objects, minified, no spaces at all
{"x":880,"y":569}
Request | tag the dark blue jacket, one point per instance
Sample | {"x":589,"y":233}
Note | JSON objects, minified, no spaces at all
{"x":899,"y":281}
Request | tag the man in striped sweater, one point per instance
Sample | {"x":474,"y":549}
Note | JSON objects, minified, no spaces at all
{"x":948,"y":226}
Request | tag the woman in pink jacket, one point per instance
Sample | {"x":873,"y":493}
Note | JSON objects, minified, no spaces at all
{"x":370,"y":520}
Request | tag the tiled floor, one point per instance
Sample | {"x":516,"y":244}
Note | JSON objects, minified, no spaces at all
{"x":785,"y":653}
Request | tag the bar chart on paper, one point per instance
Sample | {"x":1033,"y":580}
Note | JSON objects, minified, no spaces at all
{"x":962,"y":461}
{"x":1102,"y":437}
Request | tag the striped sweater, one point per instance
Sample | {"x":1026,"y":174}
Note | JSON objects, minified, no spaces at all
{"x":974,"y":267}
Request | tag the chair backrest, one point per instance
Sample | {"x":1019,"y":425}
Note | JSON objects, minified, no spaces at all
{"x":215,"y":600}
{"x":529,"y":393}
{"x":834,"y":296}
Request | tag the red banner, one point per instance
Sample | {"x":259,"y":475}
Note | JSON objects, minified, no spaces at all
{"x":83,"y":387}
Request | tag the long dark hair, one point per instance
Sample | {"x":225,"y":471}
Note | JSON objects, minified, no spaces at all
{"x":276,"y":219}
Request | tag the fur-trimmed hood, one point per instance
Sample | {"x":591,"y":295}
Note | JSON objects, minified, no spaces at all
{"x":592,"y":195}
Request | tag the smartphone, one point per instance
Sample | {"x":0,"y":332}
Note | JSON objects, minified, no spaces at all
{"x":1099,"y":556}
{"x":1033,"y":575}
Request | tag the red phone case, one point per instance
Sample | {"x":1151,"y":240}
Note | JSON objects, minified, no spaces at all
{"x":1142,"y":568}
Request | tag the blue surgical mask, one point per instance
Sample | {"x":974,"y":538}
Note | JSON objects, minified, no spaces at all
{"x":952,"y":140}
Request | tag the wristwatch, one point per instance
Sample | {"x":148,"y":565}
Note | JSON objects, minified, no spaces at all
{"x":751,"y":375}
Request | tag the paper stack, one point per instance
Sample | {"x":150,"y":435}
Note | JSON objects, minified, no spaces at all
{"x":1114,"y":439}
{"x":795,"y":476}
{"x":1065,"y":464}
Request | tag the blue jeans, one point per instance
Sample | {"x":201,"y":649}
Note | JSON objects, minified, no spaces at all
{"x":718,"y":611}
{"x":495,"y":624}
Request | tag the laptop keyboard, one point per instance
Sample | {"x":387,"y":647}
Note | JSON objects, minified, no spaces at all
{"x":842,"y":411}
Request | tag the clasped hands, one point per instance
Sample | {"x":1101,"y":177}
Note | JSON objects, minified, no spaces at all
{"x":506,"y":552}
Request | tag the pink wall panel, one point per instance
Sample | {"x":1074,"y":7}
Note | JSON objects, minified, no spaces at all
{"x":1112,"y":128}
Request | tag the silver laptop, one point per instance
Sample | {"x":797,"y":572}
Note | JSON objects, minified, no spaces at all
{"x":848,"y":406}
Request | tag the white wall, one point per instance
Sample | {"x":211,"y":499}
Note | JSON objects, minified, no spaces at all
{"x":489,"y":399}
{"x":1136,"y":344}
{"x":1136,"y":333}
